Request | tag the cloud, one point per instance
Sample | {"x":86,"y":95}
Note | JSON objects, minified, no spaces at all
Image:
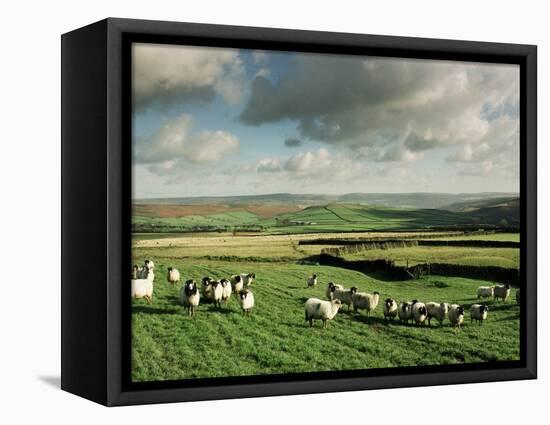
{"x":360,"y":102}
{"x":293,"y":142}
{"x":166,"y":74}
{"x":175,"y":142}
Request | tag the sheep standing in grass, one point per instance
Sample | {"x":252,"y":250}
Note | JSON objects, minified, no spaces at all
{"x":237,"y":284}
{"x":206,"y":288}
{"x":143,"y":288}
{"x":437,"y":310}
{"x":316,"y":309}
{"x":190,"y":296}
{"x":344,"y":295}
{"x":390,"y":309}
{"x":248,"y":278}
{"x":246,"y":300}
{"x":147,"y":271}
{"x":518,"y":298}
{"x":173,"y":276}
{"x":364,"y":301}
{"x":502,"y":291}
{"x":419,"y":313}
{"x":478,"y":312}
{"x":331,"y":286}
{"x":226,"y":291}
{"x":405,"y":311}
{"x":485,"y":292}
{"x":456,"y":315}
{"x":312,"y":281}
{"x":216,"y":293}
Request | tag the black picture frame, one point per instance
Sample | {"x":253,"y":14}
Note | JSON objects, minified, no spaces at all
{"x":96,"y":173}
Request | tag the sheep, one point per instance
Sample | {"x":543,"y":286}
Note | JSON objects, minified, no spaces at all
{"x":456,"y":315}
{"x":485,"y":292}
{"x":316,"y":309}
{"x":405,"y":311}
{"x":226,"y":292}
{"x":478,"y":312}
{"x":135,"y":271}
{"x":237,"y":283}
{"x":344,"y":295}
{"x":146,"y":271}
{"x":248,"y":278}
{"x":419,"y":313}
{"x":502,"y":291}
{"x":364,"y":301}
{"x":518,"y":298}
{"x":331,"y":286}
{"x":143,"y":288}
{"x":437,"y":310}
{"x":206,"y":288}
{"x":216,"y":293}
{"x":190,"y":296}
{"x":390,"y":309}
{"x":173,"y":276}
{"x":312,"y":281}
{"x":246,"y":299}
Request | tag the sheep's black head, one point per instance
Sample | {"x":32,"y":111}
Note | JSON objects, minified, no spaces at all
{"x":414,"y":302}
{"x":215,"y":283}
{"x":483,"y":309}
{"x":389,"y":302}
{"x":243,"y":294}
{"x":206,"y":279}
{"x":169,"y":269}
{"x":460,"y":310}
{"x":314,"y":276}
{"x":252,"y":275}
{"x":353,"y":289}
{"x":135,"y":267}
{"x":237,"y":279}
{"x":146,"y":262}
{"x":422,"y":310}
{"x":507,"y":286}
{"x":376,"y":293}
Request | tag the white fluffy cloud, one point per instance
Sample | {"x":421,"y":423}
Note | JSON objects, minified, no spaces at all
{"x":164,"y":74}
{"x":175,"y":142}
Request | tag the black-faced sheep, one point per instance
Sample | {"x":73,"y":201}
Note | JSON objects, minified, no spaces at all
{"x":405,"y":311}
{"x":502,"y":292}
{"x":312,"y":281}
{"x":364,"y":301}
{"x":226,"y":292}
{"x":437,"y":311}
{"x":206,"y":289}
{"x":485,"y":292}
{"x":344,"y":295}
{"x":246,"y":300}
{"x":331,"y":286}
{"x":316,"y":309}
{"x":390,"y":309}
{"x":216,"y":293}
{"x":478,"y":312}
{"x":456,"y":315}
{"x":173,"y":276}
{"x":419,"y":313}
{"x":190,"y":296}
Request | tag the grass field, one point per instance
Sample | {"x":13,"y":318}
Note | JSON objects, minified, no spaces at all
{"x":274,"y":338}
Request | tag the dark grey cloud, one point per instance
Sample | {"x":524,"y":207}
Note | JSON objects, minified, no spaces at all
{"x":416,"y":143}
{"x":293,"y":142}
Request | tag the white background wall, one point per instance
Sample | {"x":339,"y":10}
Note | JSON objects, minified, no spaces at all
{"x":30,"y":208}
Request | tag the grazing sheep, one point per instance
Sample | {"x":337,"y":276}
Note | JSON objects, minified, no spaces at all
{"x":312,"y":281}
{"x":248,"y":278}
{"x":390,"y":309}
{"x":456,"y":315}
{"x":437,"y":310}
{"x":237,"y":284}
{"x":331,"y":286}
{"x":190,"y":296}
{"x":478,"y":312}
{"x":502,"y":291}
{"x":364,"y":301}
{"x":135,"y":271}
{"x":344,"y":295}
{"x":246,"y":299}
{"x":226,"y":293}
{"x":518,"y":298}
{"x":206,"y":288}
{"x":143,"y":288}
{"x":405,"y":311}
{"x":216,"y":293}
{"x":419,"y":313}
{"x":173,"y":276}
{"x":485,"y":292}
{"x":316,"y":309}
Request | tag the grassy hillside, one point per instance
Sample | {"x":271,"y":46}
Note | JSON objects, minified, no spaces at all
{"x":275,"y":338}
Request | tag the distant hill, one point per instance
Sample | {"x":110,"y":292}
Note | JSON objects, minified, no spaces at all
{"x":421,"y":200}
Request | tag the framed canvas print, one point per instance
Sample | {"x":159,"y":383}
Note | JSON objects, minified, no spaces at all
{"x":252,"y":212}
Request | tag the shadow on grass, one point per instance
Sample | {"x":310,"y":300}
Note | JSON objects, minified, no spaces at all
{"x":151,"y":309}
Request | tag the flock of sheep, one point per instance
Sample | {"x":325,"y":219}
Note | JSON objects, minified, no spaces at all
{"x":415,"y":311}
{"x":211,"y":291}
{"x":219,"y":292}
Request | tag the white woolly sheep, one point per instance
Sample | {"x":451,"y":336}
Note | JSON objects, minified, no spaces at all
{"x":173,"y":276}
{"x":312,"y":281}
{"x":502,"y":291}
{"x":226,"y":292}
{"x":419,"y":313}
{"x":316,"y":309}
{"x":344,"y":295}
{"x":246,"y":300}
{"x":364,"y":301}
{"x":190,"y":296}
{"x":518,"y":297}
{"x":456,"y":315}
{"x":405,"y":311}
{"x":216,"y":293}
{"x":206,"y":288}
{"x":331,"y":286}
{"x":143,"y":288}
{"x":485,"y":292}
{"x":478,"y":312}
{"x":437,"y":310}
{"x":390,"y":309}
{"x":237,"y":283}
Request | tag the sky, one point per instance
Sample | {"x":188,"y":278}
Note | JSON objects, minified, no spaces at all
{"x":219,"y":122}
